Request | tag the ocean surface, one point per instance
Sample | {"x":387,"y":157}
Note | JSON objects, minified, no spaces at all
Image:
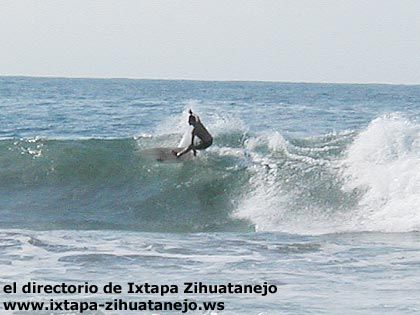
{"x":312,"y":187}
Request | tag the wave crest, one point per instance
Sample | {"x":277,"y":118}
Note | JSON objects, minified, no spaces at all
{"x":366,"y":181}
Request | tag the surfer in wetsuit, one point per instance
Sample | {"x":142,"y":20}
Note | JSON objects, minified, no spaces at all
{"x":199,"y":131}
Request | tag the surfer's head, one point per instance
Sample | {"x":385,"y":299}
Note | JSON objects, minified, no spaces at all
{"x":192,"y":120}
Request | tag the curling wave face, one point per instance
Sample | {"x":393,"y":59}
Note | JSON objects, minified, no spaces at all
{"x":350,"y":181}
{"x":106,"y":184}
{"x":366,"y":181}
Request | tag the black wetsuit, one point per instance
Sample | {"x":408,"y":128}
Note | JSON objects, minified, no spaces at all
{"x":202,"y":133}
{"x":205,"y":137}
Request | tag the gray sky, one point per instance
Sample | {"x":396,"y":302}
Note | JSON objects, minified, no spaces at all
{"x":280,"y":40}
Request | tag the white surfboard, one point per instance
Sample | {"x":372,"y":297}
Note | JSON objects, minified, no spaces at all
{"x":186,"y":138}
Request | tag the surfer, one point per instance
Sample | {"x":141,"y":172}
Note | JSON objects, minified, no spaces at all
{"x":199,"y":131}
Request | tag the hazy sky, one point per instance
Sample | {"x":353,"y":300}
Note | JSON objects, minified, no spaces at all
{"x":280,"y":40}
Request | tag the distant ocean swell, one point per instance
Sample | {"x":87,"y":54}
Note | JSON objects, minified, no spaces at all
{"x":364,"y":180}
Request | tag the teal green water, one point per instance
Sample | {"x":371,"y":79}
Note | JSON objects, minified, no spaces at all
{"x":313,"y":187}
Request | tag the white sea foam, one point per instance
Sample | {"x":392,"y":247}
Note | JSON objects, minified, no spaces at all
{"x":384,"y":160}
{"x":382,"y":163}
{"x":216,"y":122}
{"x":265,"y":202}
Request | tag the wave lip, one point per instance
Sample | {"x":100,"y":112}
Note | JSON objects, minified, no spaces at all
{"x":384,"y":162}
{"x":368,"y":181}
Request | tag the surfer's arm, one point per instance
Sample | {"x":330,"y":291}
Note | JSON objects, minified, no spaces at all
{"x":189,"y":148}
{"x":186,"y":150}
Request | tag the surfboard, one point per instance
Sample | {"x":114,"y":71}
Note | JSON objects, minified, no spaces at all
{"x":165,"y":154}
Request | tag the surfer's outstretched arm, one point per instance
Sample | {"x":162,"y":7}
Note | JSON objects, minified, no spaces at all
{"x":189,"y":148}
{"x":186,"y":150}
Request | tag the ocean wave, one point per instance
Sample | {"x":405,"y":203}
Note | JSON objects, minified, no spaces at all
{"x":384,"y":162}
{"x":349,"y":181}
{"x":366,"y":181}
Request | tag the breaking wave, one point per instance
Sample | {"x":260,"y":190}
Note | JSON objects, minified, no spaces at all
{"x":349,"y":181}
{"x":366,"y":181}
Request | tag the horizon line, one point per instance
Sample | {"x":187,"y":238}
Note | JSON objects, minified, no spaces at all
{"x":197,"y":80}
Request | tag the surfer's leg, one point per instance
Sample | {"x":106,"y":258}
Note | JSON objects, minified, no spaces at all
{"x":203,"y":145}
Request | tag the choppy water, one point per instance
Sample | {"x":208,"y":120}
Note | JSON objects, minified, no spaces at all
{"x":313,"y":187}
